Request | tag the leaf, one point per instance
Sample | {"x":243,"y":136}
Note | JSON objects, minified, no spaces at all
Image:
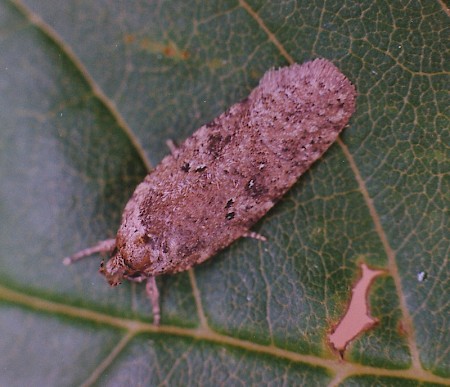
{"x":89,"y":94}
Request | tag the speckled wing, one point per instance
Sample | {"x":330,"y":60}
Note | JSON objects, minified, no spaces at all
{"x":230,"y":172}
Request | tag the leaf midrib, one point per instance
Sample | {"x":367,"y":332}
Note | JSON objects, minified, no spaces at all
{"x":341,"y":370}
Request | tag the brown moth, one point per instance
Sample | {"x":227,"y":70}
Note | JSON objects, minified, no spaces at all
{"x":213,"y":188}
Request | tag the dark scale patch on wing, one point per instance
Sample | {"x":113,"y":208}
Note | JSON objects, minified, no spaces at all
{"x":149,"y":205}
{"x":230,"y":215}
{"x":217,"y":144}
{"x":229,"y":203}
{"x":200,"y":168}
{"x":190,"y":250}
{"x":255,"y":189}
{"x":186,"y":167}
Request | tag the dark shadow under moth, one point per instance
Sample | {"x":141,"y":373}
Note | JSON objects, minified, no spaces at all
{"x":213,"y":188}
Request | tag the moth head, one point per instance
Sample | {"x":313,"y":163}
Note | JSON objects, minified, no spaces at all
{"x":114,"y":269}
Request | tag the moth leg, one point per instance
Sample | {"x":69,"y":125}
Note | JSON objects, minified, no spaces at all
{"x":254,"y":235}
{"x":105,"y":246}
{"x":153,"y":295}
{"x":172,"y":147}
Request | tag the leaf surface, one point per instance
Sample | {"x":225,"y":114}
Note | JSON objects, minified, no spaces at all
{"x":89,"y":94}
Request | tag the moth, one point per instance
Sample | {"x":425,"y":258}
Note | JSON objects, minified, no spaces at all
{"x":219,"y":182}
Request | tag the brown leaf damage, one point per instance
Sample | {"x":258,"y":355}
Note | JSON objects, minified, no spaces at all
{"x":357,"y":319}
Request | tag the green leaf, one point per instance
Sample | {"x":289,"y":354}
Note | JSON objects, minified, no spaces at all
{"x":90,"y":92}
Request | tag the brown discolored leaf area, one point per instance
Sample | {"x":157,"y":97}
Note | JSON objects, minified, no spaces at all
{"x":357,"y":318}
{"x":89,"y":94}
